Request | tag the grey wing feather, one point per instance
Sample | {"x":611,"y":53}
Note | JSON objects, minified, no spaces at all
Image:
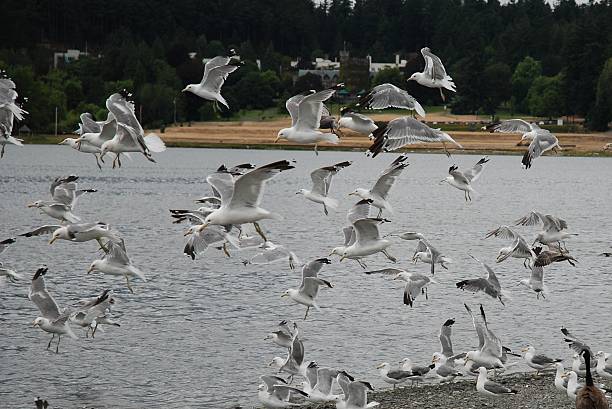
{"x":388,"y":176}
{"x":496,"y":388}
{"x":47,"y":229}
{"x":360,"y":210}
{"x":433,"y":65}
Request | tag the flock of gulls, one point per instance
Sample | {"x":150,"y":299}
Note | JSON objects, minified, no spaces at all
{"x":229,"y":219}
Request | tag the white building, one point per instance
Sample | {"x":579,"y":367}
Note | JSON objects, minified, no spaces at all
{"x":68,"y":56}
{"x":377,"y":66}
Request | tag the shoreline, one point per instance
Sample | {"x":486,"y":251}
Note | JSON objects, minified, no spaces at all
{"x":533,"y":393}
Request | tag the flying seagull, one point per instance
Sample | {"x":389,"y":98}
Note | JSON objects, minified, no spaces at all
{"x":389,"y":96}
{"x":321,"y":181}
{"x":463,"y":180}
{"x":9,"y":110}
{"x":489,"y":285}
{"x":307,"y":293}
{"x":434,"y":75}
{"x":216,"y":72}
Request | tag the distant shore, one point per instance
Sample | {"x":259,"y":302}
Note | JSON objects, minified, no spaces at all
{"x":261,"y":135}
{"x":533,"y":393}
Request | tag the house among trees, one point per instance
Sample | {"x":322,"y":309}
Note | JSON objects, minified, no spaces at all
{"x":67,"y":57}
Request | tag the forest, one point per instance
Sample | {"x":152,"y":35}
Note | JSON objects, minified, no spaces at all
{"x":525,"y":57}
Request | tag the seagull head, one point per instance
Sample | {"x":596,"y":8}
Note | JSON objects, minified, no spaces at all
{"x":37,"y":322}
{"x":282,"y":134}
{"x":337,"y":250}
{"x":528,"y":348}
{"x":414,"y":76}
{"x":482,"y":370}
{"x":37,"y":203}
{"x":360,"y":192}
{"x":285,"y":294}
{"x":56,"y":235}
{"x":384,"y":365}
{"x":94,"y":266}
{"x":68,"y":141}
{"x":189,"y":88}
{"x":301,"y":192}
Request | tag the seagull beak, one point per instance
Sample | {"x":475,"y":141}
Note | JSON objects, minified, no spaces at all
{"x":90,"y":270}
{"x":277,"y":138}
{"x":187,"y":233}
{"x":442,"y":181}
{"x":52,"y":240}
{"x":380,"y":366}
{"x":34,"y":323}
{"x":202,"y":227}
{"x":352,"y":194}
{"x":284,"y":295}
{"x":342,"y":258}
{"x":31,"y":205}
{"x":185,"y":89}
{"x":524,"y":349}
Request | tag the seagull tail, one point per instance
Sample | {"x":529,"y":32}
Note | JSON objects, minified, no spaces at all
{"x":449,"y":84}
{"x":138,"y":273}
{"x":222,"y":101}
{"x":419,"y":109}
{"x":14,"y":141}
{"x":154,"y":143}
{"x":330,"y":137}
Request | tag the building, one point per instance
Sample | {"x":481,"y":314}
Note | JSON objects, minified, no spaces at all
{"x":377,"y":66}
{"x":329,"y":78}
{"x":67,"y":57}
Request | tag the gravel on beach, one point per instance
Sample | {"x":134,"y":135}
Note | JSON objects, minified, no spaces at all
{"x":533,"y":393}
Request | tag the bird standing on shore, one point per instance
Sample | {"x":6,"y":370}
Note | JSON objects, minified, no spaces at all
{"x":490,"y":388}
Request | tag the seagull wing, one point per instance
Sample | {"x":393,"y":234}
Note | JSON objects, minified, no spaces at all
{"x":512,"y":126}
{"x":40,"y":296}
{"x":47,"y":229}
{"x":248,"y":188}
{"x":389,"y":96}
{"x":388,"y":176}
{"x":312,"y":269}
{"x":217,"y":76}
{"x":223,"y":184}
{"x":474,"y":173}
{"x":124,"y":112}
{"x":366,"y":230}
{"x":310,"y":109}
{"x":403,"y":131}
{"x":310,"y":286}
{"x":433,"y":65}
{"x":293,"y":103}
{"x":360,"y":210}
{"x":216,"y":62}
{"x":445,"y":337}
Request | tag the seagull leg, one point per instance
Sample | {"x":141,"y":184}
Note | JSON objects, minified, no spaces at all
{"x":316,"y":149}
{"x":442,"y":95}
{"x":59,"y":339}
{"x":102,"y":247}
{"x":390,"y":257}
{"x":127,"y":281}
{"x":2,"y":152}
{"x":291,"y":264}
{"x":97,"y":161}
{"x":119,"y":159}
{"x":306,"y":315}
{"x":426,"y":296}
{"x":362,"y":264}
{"x":379,"y":213}
{"x":225,"y":250}
{"x":93,"y":334}
{"x":115,"y":162}
{"x":87,"y":332}
{"x":51,"y":340}
{"x":259,"y":231}
{"x":446,"y":150}
{"x":325,"y":209}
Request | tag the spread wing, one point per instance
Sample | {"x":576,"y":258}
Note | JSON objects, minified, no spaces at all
{"x":474,"y":173}
{"x":360,"y":210}
{"x":293,"y":104}
{"x":512,"y":126}
{"x":389,"y":96}
{"x":217,"y":76}
{"x":310,"y":286}
{"x":388,"y":176}
{"x":445,"y":337}
{"x":402,"y":131}
{"x":216,"y":62}
{"x":47,"y":229}
{"x":222,"y":184}
{"x":321,"y":178}
{"x":433,"y":65}
{"x":40,"y":296}
{"x":312,"y":269}
{"x":310,"y":109}
{"x":542,"y":142}
{"x":366,"y":230}
{"x":5,"y":243}
{"x":359,"y":119}
{"x":248,"y":188}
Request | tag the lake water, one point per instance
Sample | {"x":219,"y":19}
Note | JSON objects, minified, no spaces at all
{"x":193,"y":335}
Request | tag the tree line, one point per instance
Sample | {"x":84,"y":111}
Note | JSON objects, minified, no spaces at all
{"x":523,"y":56}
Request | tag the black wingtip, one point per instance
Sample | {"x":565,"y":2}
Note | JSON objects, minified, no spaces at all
{"x":8,"y":241}
{"x":449,"y":322}
{"x":461,"y":284}
{"x":324,"y":260}
{"x":526,"y":161}
{"x":40,"y":272}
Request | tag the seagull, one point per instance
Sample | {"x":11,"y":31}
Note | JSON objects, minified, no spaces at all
{"x":380,"y":191}
{"x":240,"y":197}
{"x":415,"y":283}
{"x":489,"y":285}
{"x":358,"y":211}
{"x":463,"y":180}
{"x":57,"y":211}
{"x":489,"y":352}
{"x":356,"y":122}
{"x":517,"y":249}
{"x":367,"y":241}
{"x":406,"y":131}
{"x":490,"y":388}
{"x":92,"y":312}
{"x":547,"y":257}
{"x":444,"y":367}
{"x":306,"y":110}
{"x":309,"y":288}
{"x":542,"y":142}
{"x":77,"y":233}
{"x":426,"y":253}
{"x":9,"y":110}
{"x":538,"y":362}
{"x":89,"y":125}
{"x":321,"y":181}
{"x":434,"y":75}
{"x":200,"y":240}
{"x":574,"y":388}
{"x":274,"y":394}
{"x":321,"y":391}
{"x":417,"y":372}
{"x":284,"y":336}
{"x":64,"y":190}
{"x":553,"y":228}
{"x":535,"y":282}
{"x":216,"y":72}
{"x":294,"y":363}
{"x":52,"y":320}
{"x":389,"y":96}
{"x":84,"y":147}
{"x":116,"y":262}
{"x":96,"y":135}
{"x":603,"y":368}
{"x":11,"y":275}
{"x":130,"y":136}
{"x":560,"y":378}
{"x":272,"y":253}
{"x":393,"y":376}
{"x":356,"y":396}
{"x":529,"y":130}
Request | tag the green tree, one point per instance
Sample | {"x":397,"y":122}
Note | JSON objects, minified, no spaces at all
{"x":496,"y":86}
{"x":601,"y":114}
{"x":524,"y":75}
{"x":391,"y":75}
{"x":546,"y":97}
{"x":306,"y":82}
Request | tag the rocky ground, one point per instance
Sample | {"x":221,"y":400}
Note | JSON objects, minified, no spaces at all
{"x":533,"y":393}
